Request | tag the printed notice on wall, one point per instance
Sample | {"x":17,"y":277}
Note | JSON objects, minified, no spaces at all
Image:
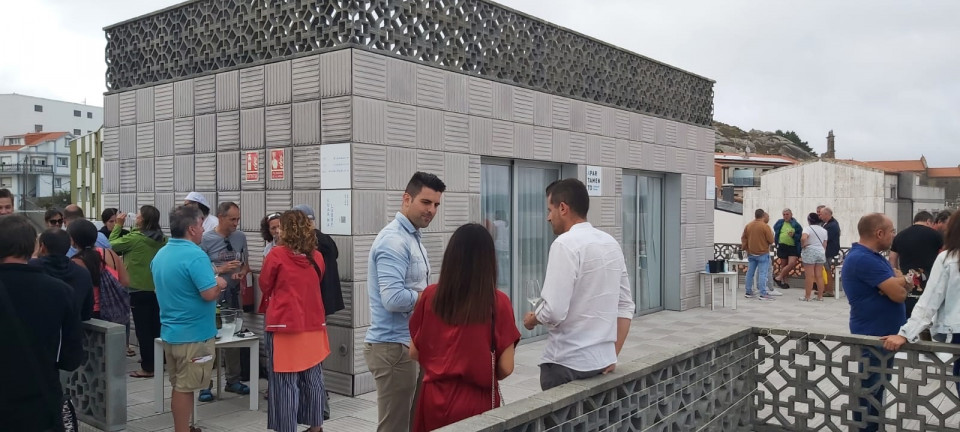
{"x":335,"y":166}
{"x":711,"y":187}
{"x":335,"y":212}
{"x":251,"y":166}
{"x":594,"y":180}
{"x":276,"y":165}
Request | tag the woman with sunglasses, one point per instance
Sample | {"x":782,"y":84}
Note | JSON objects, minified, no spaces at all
{"x":53,"y":218}
{"x":138,"y":249}
{"x":295,"y":330}
{"x":270,"y":231}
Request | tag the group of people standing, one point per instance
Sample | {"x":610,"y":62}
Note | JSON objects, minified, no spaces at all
{"x":817,"y":246}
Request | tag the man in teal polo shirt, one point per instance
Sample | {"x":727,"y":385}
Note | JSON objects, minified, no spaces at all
{"x":187,"y":290}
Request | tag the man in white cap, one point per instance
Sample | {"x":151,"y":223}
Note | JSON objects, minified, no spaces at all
{"x":209,"y":221}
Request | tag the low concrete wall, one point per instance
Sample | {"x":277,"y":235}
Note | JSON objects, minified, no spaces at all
{"x":99,"y":386}
{"x":709,"y":387}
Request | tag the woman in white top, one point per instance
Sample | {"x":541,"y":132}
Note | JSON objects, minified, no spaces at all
{"x":940,"y":300}
{"x":813,"y":255}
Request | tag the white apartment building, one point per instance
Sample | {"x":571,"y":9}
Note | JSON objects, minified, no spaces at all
{"x":35,"y":165}
{"x":86,"y":169}
{"x":20,"y":114}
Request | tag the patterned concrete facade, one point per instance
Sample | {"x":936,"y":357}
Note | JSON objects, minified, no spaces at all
{"x":394,"y":117}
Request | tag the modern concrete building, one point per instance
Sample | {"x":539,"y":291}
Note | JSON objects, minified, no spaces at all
{"x":35,"y":165}
{"x":20,"y":114}
{"x":337,"y":108}
{"x":86,"y":172}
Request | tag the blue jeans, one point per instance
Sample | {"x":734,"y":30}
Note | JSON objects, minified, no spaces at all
{"x":872,"y":407}
{"x":761,"y":262}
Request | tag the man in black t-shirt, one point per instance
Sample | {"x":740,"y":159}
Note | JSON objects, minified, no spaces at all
{"x":914,"y":250}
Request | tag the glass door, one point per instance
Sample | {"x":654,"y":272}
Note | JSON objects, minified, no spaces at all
{"x":533,"y":235}
{"x":643,"y":239}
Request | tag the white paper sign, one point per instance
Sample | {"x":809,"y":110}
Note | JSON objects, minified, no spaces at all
{"x":594,"y":181}
{"x":711,"y":187}
{"x":335,"y":170}
{"x":335,"y":211}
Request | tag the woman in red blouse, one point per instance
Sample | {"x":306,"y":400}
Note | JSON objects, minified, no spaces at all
{"x":463,"y":334}
{"x":295,"y":331}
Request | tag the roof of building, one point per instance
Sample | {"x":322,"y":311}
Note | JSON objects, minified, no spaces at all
{"x":943,"y":172}
{"x":40,"y":137}
{"x":753,"y":158}
{"x":919,"y":165}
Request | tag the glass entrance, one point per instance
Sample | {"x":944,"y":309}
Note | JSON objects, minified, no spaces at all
{"x":534,"y":236}
{"x":643,"y":239}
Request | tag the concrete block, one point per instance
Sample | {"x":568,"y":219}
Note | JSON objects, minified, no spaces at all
{"x":369,"y":74}
{"x":336,"y":76}
{"x":183,"y":98}
{"x":205,"y":95}
{"x":145,"y":105}
{"x":305,"y":78}
{"x":278,"y":83}
{"x":162,"y":104}
{"x":251,"y":87}
{"x":369,"y":166}
{"x":336,"y":119}
{"x":228,"y":91}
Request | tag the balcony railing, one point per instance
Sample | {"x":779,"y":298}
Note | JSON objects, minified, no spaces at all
{"x":744,"y":181}
{"x":25,"y":169}
{"x":752,"y":379}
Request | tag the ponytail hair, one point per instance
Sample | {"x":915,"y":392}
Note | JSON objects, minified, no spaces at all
{"x":84,"y":236}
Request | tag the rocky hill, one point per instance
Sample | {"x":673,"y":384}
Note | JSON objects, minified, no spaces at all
{"x":731,"y":139}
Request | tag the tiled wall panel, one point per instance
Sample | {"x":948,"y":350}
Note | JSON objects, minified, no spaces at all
{"x":523,"y":141}
{"x":111,"y":143}
{"x":229,"y":168}
{"x":305,"y":126}
{"x":456,"y":132}
{"x":278,"y":83}
{"x":431,"y":87}
{"x":128,"y":108}
{"x":372,"y":129}
{"x":456,"y":168}
{"x":251,"y":87}
{"x":429,"y":129}
{"x":336,"y":120}
{"x":369,"y":166}
{"x":336,"y":77}
{"x":163,"y":135}
{"x":431,"y":162}
{"x":163,"y":172}
{"x":205,"y":95}
{"x":145,"y":105}
{"x":278,"y":125}
{"x":278,"y":201}
{"x":183,"y":98}
{"x":252,"y":208}
{"x":252,"y":129}
{"x":111,"y":110}
{"x":578,"y":148}
{"x":456,"y":212}
{"x":523,"y":105}
{"x":145,"y":176}
{"x":205,"y":133}
{"x":183,"y":172}
{"x":457,"y":94}
{"x":401,"y":81}
{"x":502,"y":101}
{"x":145,"y":139}
{"x":128,"y":176}
{"x":127,"y":143}
{"x":402,"y":164}
{"x":306,"y":167}
{"x":369,"y":211}
{"x":206,"y":171}
{"x":228,"y":91}
{"x":370,"y":75}
{"x":228,"y":131}
{"x":401,"y":125}
{"x":162,"y":103}
{"x":305,"y":78}
{"x":502,"y":138}
{"x":593,"y":118}
{"x":183,"y":136}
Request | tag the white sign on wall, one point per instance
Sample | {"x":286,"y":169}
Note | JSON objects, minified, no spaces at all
{"x":335,"y":166}
{"x":335,"y":211}
{"x":711,"y":187}
{"x":594,"y":181}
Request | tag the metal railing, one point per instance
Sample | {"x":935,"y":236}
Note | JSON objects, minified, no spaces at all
{"x":753,"y":379}
{"x":744,"y":181}
{"x":726,"y":251}
{"x":24,"y":168}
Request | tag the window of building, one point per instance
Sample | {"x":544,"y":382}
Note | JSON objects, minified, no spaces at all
{"x":76,"y":113}
{"x":642,"y":213}
{"x":5,"y":160}
{"x":76,"y":132}
{"x":38,"y":108}
{"x":39,"y":161}
{"x":58,"y":182}
{"x":62,"y":161}
{"x":6,"y":182}
{"x":89,"y":115}
{"x":38,"y":128}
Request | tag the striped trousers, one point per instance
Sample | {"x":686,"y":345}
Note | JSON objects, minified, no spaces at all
{"x":294,"y":397}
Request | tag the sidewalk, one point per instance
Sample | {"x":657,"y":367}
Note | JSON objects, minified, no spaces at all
{"x":649,"y":334}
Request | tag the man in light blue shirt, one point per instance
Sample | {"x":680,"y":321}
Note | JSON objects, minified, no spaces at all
{"x":398,"y":271}
{"x":73,"y":212}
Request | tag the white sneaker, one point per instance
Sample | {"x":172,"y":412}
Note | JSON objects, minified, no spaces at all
{"x":774,"y":292}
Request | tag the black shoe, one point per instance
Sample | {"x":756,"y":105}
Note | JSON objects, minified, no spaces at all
{"x":781,"y":284}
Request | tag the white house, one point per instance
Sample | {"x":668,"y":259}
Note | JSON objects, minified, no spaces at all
{"x":21,"y":114}
{"x":35,"y":165}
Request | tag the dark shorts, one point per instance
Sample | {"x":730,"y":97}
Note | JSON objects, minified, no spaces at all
{"x":784,"y":251}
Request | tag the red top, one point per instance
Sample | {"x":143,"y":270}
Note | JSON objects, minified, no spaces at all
{"x":456,"y":362}
{"x":291,"y":291}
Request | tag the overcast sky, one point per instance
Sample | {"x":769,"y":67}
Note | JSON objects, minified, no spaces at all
{"x":882,"y":74}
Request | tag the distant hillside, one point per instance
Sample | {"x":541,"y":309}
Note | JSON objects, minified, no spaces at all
{"x":731,"y":139}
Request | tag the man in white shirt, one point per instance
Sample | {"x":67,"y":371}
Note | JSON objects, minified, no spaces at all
{"x":586,"y":332}
{"x":210,"y":222}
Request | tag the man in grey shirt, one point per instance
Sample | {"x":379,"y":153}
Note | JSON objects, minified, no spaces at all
{"x":227,"y":249}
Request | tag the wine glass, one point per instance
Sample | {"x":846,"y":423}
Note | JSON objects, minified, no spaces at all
{"x":533,"y":292}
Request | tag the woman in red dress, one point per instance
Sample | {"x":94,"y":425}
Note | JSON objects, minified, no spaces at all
{"x":463,"y":334}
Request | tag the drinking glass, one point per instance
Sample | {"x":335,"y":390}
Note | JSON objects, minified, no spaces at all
{"x":533,"y":292}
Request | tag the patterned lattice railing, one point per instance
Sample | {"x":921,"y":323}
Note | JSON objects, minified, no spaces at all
{"x":813,"y":382}
{"x":469,"y":36}
{"x":732,"y":251}
{"x":754,"y":379}
{"x":99,"y":386}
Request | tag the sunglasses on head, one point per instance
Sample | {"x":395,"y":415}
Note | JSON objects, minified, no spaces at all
{"x":55,"y":221}
{"x":273,"y":216}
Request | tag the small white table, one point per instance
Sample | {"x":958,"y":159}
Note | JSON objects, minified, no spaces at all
{"x":730,"y":279}
{"x":252,"y":343}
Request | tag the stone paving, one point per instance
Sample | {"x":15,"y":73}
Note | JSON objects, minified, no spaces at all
{"x":650,"y":334}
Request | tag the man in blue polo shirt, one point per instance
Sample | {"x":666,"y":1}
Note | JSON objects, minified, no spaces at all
{"x":187,"y":290}
{"x":876,"y":293}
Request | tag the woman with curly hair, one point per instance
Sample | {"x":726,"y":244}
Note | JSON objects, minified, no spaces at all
{"x":295,"y":332}
{"x":270,"y":231}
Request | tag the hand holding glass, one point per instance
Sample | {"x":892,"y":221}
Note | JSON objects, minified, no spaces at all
{"x":533,"y":292}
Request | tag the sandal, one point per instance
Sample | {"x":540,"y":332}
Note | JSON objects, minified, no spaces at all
{"x":131,"y":352}
{"x":141,"y":374}
{"x":238,"y":388}
{"x":804,"y":299}
{"x":205,"y":396}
